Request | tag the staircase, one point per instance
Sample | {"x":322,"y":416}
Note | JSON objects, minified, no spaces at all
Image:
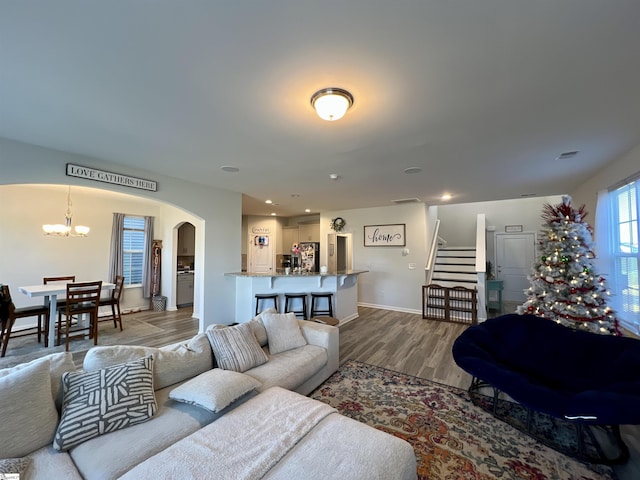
{"x":455,"y":267}
{"x":452,"y":293}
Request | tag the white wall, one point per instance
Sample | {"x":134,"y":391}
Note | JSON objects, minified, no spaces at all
{"x":458,"y":222}
{"x":219,"y":212}
{"x":389,"y":284}
{"x":609,"y":176}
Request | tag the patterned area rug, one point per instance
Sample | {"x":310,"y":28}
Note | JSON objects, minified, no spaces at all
{"x":452,"y":438}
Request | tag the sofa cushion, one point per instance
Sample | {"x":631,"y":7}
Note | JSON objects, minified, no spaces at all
{"x":171,"y":364}
{"x":215,"y":389}
{"x":130,"y":446}
{"x":47,"y":463}
{"x":28,"y":415}
{"x":283,"y":332}
{"x":236,"y":347}
{"x":15,"y":465}
{"x":104,"y":400}
{"x":291,"y":368}
{"x":58,"y":364}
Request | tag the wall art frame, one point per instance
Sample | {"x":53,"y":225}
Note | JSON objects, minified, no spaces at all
{"x":389,"y":235}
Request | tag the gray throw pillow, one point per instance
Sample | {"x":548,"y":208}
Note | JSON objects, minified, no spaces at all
{"x":236,"y":347}
{"x":105,"y":400}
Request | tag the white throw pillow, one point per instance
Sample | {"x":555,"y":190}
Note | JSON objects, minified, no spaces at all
{"x":28,"y":416}
{"x":214,"y":390}
{"x":236,"y":347}
{"x":105,"y":400}
{"x":258,"y":327}
{"x":283,"y":332}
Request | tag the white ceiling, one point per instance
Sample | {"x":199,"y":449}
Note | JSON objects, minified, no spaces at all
{"x":483,"y":95}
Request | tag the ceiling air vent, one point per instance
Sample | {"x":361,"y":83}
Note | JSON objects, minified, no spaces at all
{"x":405,"y":200}
{"x":567,"y":155}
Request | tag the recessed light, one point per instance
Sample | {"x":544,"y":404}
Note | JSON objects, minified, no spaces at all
{"x":268,"y":201}
{"x":445,"y":196}
{"x":230,"y":169}
{"x":307,"y":210}
{"x":334,"y":176}
{"x":412,"y":170}
{"x":273,"y":214}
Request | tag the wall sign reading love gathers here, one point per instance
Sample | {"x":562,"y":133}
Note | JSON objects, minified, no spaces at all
{"x":385,"y":235}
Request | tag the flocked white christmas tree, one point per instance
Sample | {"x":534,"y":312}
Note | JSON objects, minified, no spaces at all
{"x":565,"y":286}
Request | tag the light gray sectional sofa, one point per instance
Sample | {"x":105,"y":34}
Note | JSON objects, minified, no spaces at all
{"x":173,"y":413}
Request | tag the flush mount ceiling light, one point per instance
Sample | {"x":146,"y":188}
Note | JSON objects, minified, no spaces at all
{"x":331,"y":103}
{"x":60,"y":230}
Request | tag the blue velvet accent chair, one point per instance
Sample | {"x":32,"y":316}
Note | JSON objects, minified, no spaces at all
{"x":576,"y":376}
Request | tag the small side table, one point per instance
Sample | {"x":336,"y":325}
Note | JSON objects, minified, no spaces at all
{"x":494,"y":303}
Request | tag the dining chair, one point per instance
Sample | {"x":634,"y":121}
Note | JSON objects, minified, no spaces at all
{"x":114,"y":301}
{"x":82,"y":298}
{"x":61,"y":302}
{"x":9,"y":314}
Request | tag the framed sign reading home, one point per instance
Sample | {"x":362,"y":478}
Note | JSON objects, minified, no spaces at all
{"x":385,"y":235}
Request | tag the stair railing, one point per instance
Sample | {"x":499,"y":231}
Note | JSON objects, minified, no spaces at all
{"x":433,"y":250}
{"x":481,"y":265}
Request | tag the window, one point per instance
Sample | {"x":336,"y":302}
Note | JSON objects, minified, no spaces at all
{"x":626,"y":288}
{"x":133,"y":242}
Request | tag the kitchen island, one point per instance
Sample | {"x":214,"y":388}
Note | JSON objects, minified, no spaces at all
{"x":343,"y":284}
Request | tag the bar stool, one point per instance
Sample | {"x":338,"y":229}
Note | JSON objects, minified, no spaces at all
{"x":288,"y":304}
{"x":273,"y":297}
{"x":317,"y":312}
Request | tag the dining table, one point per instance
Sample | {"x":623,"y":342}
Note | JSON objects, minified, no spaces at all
{"x":50,"y":293}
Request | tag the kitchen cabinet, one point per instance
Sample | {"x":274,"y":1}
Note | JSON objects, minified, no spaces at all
{"x":309,"y":232}
{"x":184,"y":294}
{"x":187,"y":239}
{"x":289,"y":237}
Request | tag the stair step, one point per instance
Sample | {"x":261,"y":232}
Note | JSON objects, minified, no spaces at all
{"x":454,"y":276}
{"x":455,"y":267}
{"x":451,"y":284}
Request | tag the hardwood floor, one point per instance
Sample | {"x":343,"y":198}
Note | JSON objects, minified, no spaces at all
{"x":398,"y":341}
{"x":408,"y":344}
{"x":405,"y":343}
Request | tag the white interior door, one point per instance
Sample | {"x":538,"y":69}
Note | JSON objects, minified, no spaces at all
{"x":261,"y":259}
{"x":515,"y":254}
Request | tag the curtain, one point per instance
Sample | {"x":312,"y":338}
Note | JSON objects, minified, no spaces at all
{"x":148,"y":260}
{"x":605,"y":260}
{"x":115,"y":257}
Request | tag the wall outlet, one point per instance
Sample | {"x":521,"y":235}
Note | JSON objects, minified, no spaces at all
{"x":412,"y":266}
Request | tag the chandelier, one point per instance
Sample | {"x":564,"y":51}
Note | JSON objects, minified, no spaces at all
{"x":59,"y":230}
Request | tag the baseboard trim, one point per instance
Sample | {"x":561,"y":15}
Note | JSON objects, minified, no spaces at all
{"x":387,"y":307}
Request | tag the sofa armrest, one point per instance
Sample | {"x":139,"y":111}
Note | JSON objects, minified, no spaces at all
{"x":318,"y":333}
{"x":324,"y":336}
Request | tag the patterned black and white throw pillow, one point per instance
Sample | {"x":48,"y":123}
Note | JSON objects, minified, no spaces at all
{"x":105,"y":400}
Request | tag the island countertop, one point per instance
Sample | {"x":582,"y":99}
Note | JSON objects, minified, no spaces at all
{"x":343,"y":285}
{"x":280,"y":273}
